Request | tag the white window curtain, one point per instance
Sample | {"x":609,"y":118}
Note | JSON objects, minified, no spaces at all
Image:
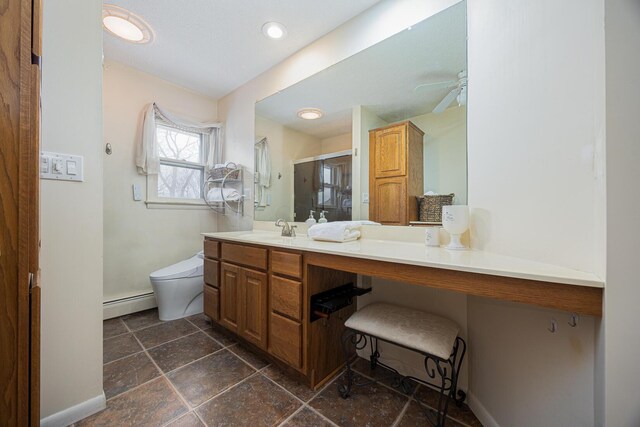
{"x":263,"y":171}
{"x":148,"y":159}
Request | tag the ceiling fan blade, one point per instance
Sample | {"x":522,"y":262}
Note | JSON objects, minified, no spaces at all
{"x":446,"y":101}
{"x":449,"y":83}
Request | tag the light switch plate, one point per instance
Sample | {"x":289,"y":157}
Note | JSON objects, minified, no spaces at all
{"x":137,"y":192}
{"x":365,"y":197}
{"x":61,"y":167}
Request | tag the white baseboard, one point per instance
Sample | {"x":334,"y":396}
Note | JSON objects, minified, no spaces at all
{"x":481,"y":412}
{"x":111,"y":309}
{"x":75,"y":413}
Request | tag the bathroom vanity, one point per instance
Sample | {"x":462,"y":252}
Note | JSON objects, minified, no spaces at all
{"x":262,"y":294}
{"x":260,"y":286}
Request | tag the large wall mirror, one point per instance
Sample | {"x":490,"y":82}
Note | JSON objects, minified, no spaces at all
{"x":369,"y":136}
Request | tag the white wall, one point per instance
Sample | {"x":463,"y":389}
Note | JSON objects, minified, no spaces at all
{"x":285,"y":145}
{"x":535,"y":123}
{"x":336,"y":143}
{"x":375,"y":24}
{"x":445,"y":152}
{"x":71,"y":213}
{"x":130,"y":224}
{"x":535,"y":137}
{"x":622,"y":317}
{"x":523,"y":375}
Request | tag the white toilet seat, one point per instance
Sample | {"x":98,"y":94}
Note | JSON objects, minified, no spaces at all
{"x":191,"y":267}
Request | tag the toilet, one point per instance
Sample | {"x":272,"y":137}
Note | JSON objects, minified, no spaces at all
{"x":179,"y":288}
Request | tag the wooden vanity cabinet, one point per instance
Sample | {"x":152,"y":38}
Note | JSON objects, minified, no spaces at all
{"x":252,"y":307}
{"x":262,"y":295}
{"x":211,"y":280}
{"x":230,"y":296}
{"x":235,"y":295}
{"x":396,"y":173}
{"x":286,"y":308}
{"x":243,"y":292}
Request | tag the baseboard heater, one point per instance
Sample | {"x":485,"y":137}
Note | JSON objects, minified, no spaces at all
{"x":127,"y":305}
{"x":127,"y":299}
{"x":327,"y":302}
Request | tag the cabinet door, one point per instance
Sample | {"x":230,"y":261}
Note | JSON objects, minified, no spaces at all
{"x":253,"y":307}
{"x":389,"y":201}
{"x":230,"y":277}
{"x":390,"y":152}
{"x":285,"y":340}
{"x":212,"y":302}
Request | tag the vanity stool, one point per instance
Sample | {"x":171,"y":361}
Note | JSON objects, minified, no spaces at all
{"x":433,"y":336}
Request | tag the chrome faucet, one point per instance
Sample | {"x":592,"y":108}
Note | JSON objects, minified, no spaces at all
{"x":287,"y":230}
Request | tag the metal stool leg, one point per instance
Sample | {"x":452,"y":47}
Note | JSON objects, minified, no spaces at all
{"x":348,"y":336}
{"x":448,"y":386}
{"x":375,"y":355}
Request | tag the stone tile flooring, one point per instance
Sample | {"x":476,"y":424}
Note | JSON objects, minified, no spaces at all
{"x":188,"y":373}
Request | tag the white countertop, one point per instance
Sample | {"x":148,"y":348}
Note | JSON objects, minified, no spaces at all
{"x":412,"y":253}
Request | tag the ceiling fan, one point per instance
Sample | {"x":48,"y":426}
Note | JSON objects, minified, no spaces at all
{"x":458,"y":91}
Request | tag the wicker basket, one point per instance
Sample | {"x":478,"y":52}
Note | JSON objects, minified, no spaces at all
{"x":219,"y":173}
{"x":430,"y":207}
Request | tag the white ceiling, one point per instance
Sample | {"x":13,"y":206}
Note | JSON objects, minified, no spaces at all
{"x":381,"y":78}
{"x":215,"y":46}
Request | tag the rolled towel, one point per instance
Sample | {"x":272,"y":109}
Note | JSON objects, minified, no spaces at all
{"x":230,"y":195}
{"x":339,"y":231}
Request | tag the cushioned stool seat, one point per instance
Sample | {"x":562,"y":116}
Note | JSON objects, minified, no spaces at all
{"x":414,"y":329}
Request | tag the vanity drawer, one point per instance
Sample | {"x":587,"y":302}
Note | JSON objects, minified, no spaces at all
{"x":212,"y":272}
{"x":286,"y":263}
{"x":286,"y":297}
{"x":245,"y":255}
{"x":285,"y":340}
{"x":211,"y":249}
{"x":212,"y":302}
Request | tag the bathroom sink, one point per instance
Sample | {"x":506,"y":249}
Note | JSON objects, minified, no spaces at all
{"x":269,"y":238}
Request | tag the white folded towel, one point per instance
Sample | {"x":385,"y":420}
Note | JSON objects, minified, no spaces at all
{"x":338,"y":231}
{"x":230,"y":195}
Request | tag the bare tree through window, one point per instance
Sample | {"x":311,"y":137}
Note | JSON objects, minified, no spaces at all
{"x":181,"y":163}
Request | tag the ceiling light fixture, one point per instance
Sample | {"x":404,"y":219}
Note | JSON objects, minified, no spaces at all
{"x":274,"y":30}
{"x":310,"y":113}
{"x":125,"y":25}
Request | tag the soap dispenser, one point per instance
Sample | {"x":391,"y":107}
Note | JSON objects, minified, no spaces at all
{"x":311,"y":221}
{"x":322,"y":219}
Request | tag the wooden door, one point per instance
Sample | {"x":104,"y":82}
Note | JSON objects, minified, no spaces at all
{"x":389,"y":152}
{"x":253,"y":307}
{"x":230,"y":277}
{"x":19,"y":244}
{"x":389,"y":201}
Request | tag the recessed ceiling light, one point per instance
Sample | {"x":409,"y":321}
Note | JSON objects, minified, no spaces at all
{"x":126,"y":25}
{"x":274,"y":30}
{"x":310,"y":113}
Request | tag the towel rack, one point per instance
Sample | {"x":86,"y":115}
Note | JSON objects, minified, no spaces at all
{"x":234,"y":177}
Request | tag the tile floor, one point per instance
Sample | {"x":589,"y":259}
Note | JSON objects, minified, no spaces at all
{"x":188,"y":373}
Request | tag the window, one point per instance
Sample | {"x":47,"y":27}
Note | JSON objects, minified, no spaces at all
{"x":330,"y":181}
{"x":182,"y":162}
